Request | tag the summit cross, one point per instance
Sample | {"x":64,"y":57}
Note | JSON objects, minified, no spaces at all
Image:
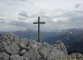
{"x":38,"y":27}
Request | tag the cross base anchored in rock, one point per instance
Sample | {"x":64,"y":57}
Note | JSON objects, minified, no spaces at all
{"x":38,"y":27}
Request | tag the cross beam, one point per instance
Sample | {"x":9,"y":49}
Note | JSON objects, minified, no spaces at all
{"x":38,"y":27}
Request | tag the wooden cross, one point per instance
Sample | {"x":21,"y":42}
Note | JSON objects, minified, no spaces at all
{"x":38,"y":27}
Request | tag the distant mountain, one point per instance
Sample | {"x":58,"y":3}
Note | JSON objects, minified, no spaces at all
{"x":33,"y":33}
{"x":77,"y":44}
{"x":72,"y":38}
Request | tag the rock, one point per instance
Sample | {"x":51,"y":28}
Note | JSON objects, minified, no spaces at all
{"x":23,"y":42}
{"x":61,"y":46}
{"x":55,"y":53}
{"x":32,"y":54}
{"x":12,"y":49}
{"x":1,"y":47}
{"x":22,"y":52}
{"x":5,"y":56}
{"x":44,"y":50}
{"x":73,"y":55}
{"x":1,"y":56}
{"x":30,"y":43}
{"x":4,"y":43}
{"x":17,"y":57}
{"x":69,"y":57}
{"x":35,"y":46}
{"x":79,"y":55}
{"x":9,"y":38}
{"x":76,"y":55}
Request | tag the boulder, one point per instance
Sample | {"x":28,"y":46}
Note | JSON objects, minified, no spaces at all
{"x":17,"y":57}
{"x":31,"y":42}
{"x":8,"y":38}
{"x":11,"y":49}
{"x":76,"y":55}
{"x":23,"y":42}
{"x":1,"y":47}
{"x":79,"y":55}
{"x":1,"y":56}
{"x":32,"y":54}
{"x":61,"y":46}
{"x":4,"y":56}
{"x":44,"y":50}
{"x":73,"y":55}
{"x":55,"y":53}
{"x":22,"y":51}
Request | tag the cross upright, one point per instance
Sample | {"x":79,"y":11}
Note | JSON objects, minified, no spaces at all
{"x":38,"y":27}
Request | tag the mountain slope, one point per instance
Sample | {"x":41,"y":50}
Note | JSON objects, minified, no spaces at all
{"x":72,"y":38}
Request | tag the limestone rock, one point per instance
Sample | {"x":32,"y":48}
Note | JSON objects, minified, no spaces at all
{"x":32,"y":54}
{"x":55,"y":53}
{"x":31,"y":42}
{"x":12,"y":49}
{"x":8,"y":38}
{"x":73,"y":55}
{"x":1,"y":46}
{"x":23,"y":42}
{"x":4,"y":56}
{"x":61,"y":46}
{"x":76,"y":55}
{"x":1,"y":56}
{"x":17,"y":57}
{"x":22,"y":52}
{"x":44,"y":50}
{"x":79,"y":55}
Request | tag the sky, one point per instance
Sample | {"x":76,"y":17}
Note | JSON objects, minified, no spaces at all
{"x":58,"y":14}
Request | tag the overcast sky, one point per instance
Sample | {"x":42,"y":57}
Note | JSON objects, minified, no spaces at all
{"x":59,"y":14}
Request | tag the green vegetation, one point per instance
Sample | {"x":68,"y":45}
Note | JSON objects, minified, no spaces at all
{"x":67,"y":46}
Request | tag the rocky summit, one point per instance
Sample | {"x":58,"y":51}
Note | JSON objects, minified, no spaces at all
{"x":14,"y":48}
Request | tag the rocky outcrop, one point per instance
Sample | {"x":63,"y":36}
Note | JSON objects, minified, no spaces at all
{"x":14,"y":48}
{"x":76,"y":55}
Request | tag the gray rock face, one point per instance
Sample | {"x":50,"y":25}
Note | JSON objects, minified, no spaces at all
{"x":55,"y":54}
{"x":76,"y":55}
{"x":1,"y":56}
{"x":23,"y":42}
{"x":22,"y":52}
{"x":32,"y":54}
{"x":1,"y":46}
{"x":8,"y":38}
{"x":17,"y":57}
{"x":4,"y":56}
{"x":61,"y":46}
{"x":14,"y":48}
{"x":79,"y":55}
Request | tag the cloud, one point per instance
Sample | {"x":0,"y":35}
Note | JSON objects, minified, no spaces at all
{"x":14,"y":0}
{"x":17,"y":23}
{"x":64,"y":20}
{"x":25,"y":14}
{"x":60,"y":19}
{"x":21,"y":14}
{"x":70,"y":15}
{"x":21,"y":0}
{"x":2,"y":18}
{"x":77,"y":5}
{"x":21,"y":18}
